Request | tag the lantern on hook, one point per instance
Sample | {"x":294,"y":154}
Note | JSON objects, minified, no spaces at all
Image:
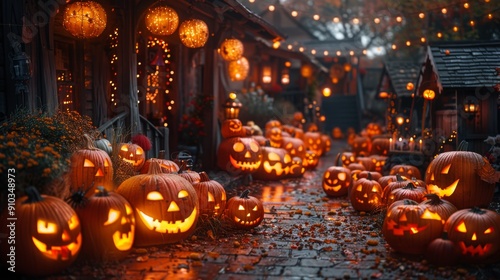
{"x":232,"y":106}
{"x":231,"y":49}
{"x":162,"y":20}
{"x":84,"y":19}
{"x":193,"y":33}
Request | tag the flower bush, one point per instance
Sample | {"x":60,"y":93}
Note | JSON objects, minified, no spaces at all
{"x":192,"y":127}
{"x":493,"y":154}
{"x":38,"y":147}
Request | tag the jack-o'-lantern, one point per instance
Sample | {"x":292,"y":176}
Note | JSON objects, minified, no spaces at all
{"x":369,"y":174}
{"x":275,"y":137}
{"x":336,"y":181}
{"x":313,"y":142}
{"x":132,"y":154}
{"x":380,"y":146}
{"x":167,"y":166}
{"x":476,"y":232}
{"x":299,"y":133}
{"x":378,"y":162}
{"x":108,"y":225}
{"x":406,"y":170}
{"x":294,"y":146}
{"x":232,"y":128}
{"x":90,"y":167}
{"x":464,"y":178}
{"x":337,"y":133}
{"x":104,"y":145}
{"x":367,"y":162}
{"x":272,"y":123}
{"x":310,"y":160}
{"x":373,"y":129}
{"x":290,"y":129}
{"x":346,"y":158}
{"x":327,"y":143}
{"x":408,"y":227}
{"x":312,"y":127}
{"x":438,"y":206}
{"x":297,"y":169}
{"x":366,"y":195}
{"x":361,"y":146}
{"x":211,"y":196}
{"x":275,"y":164}
{"x":384,"y":181}
{"x":238,"y":155}
{"x":166,"y":206}
{"x":410,"y":191}
{"x":244,"y":211}
{"x":48,"y":235}
{"x":390,"y":183}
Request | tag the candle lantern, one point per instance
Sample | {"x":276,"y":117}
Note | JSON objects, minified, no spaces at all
{"x":232,"y":107}
{"x":84,"y":19}
{"x":471,"y":107}
{"x":21,"y":67}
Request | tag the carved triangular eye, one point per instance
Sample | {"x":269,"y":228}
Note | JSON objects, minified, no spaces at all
{"x":255,"y":208}
{"x":241,"y":207}
{"x":446,"y":169}
{"x":88,"y":163}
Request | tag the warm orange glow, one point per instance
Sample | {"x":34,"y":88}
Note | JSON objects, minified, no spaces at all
{"x":327,"y":92}
{"x":193,"y":33}
{"x":429,"y":94}
{"x":231,"y":49}
{"x":162,"y":20}
{"x":84,"y":19}
{"x":409,"y":86}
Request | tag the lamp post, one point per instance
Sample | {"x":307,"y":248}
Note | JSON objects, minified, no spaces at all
{"x":232,"y":107}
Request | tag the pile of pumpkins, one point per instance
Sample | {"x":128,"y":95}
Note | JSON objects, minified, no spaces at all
{"x":99,"y":222}
{"x":280,"y":151}
{"x":443,"y":215}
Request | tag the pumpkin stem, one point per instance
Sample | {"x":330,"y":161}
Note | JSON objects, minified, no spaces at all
{"x":463,"y":146}
{"x":399,"y":178}
{"x":204,"y":176}
{"x":101,"y":192}
{"x":410,"y":186}
{"x":154,"y":167}
{"x":88,"y":143}
{"x":33,"y":195}
{"x":337,"y":160}
{"x":409,"y":202}
{"x":434,"y":199}
{"x":244,"y":194}
{"x":477,"y":210}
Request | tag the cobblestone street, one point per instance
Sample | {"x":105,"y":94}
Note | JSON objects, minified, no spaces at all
{"x":305,"y":235}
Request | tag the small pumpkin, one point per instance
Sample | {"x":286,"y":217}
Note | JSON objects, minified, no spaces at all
{"x":380,"y":146}
{"x":211,"y":196}
{"x":48,"y":237}
{"x":244,"y":211}
{"x":314,"y":142}
{"x":366,"y":195}
{"x":442,"y":251}
{"x":232,"y":128}
{"x":406,"y":170}
{"x":311,"y":160}
{"x":336,"y":181}
{"x":275,"y":163}
{"x":439,"y":207}
{"x":410,"y":191}
{"x":104,"y":145}
{"x":399,"y":182}
{"x":361,"y":146}
{"x":132,"y":154}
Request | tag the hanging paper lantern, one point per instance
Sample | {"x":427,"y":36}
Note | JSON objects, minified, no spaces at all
{"x":231,"y":49}
{"x":84,"y":19}
{"x":193,"y":33}
{"x":238,"y":69}
{"x":162,"y":20}
{"x":306,"y":70}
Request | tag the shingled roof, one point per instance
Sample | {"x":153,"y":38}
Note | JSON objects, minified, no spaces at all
{"x":400,"y":73}
{"x":465,"y":64}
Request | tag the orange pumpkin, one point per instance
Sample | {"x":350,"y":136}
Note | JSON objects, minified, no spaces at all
{"x":406,"y":170}
{"x":232,"y":128}
{"x":366,"y":195}
{"x":336,"y":181}
{"x":211,"y":196}
{"x":244,"y":211}
{"x":275,"y":164}
{"x":132,"y":154}
{"x":239,"y":155}
{"x":167,"y":166}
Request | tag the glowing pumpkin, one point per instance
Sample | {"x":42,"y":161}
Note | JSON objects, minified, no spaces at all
{"x":294,"y":146}
{"x":373,"y":129}
{"x":239,"y":155}
{"x":380,"y":146}
{"x":132,"y":154}
{"x":297,"y":169}
{"x":476,"y":232}
{"x":48,"y":235}
{"x":409,"y":228}
{"x":275,"y":137}
{"x":438,"y":206}
{"x":166,"y":206}
{"x":336,"y":181}
{"x":90,"y":167}
{"x":244,"y":211}
{"x":313,"y":142}
{"x":108,"y":225}
{"x":361,"y":146}
{"x":311,"y":160}
{"x":366,"y":195}
{"x":272,"y":123}
{"x":464,"y":178}
{"x":406,"y":170}
{"x":211,"y":196}
{"x":346,"y":158}
{"x":232,"y":128}
{"x":167,"y":166}
{"x":275,"y":164}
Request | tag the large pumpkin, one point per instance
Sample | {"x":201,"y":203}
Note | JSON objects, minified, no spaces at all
{"x":464,"y":178}
{"x":90,"y":167}
{"x":275,"y":164}
{"x":476,"y":232}
{"x":132,"y":154}
{"x":239,"y":155}
{"x":410,"y":191}
{"x":47,"y":235}
{"x":409,"y":228}
{"x":108,"y":225}
{"x":244,"y":211}
{"x":166,"y":206}
{"x":211,"y":196}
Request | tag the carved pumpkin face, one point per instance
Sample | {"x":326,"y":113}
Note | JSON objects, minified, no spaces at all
{"x":166,"y":206}
{"x":366,"y":195}
{"x":380,"y":146}
{"x":361,"y":146}
{"x":167,"y":166}
{"x":406,"y":170}
{"x":232,"y":128}
{"x":294,"y":146}
{"x":275,"y":137}
{"x":244,"y":211}
{"x":311,"y":159}
{"x":239,"y":155}
{"x":211,"y":195}
{"x":373,"y":129}
{"x":476,"y":232}
{"x":108,"y":226}
{"x":91,"y":167}
{"x":272,"y":123}
{"x":409,"y":227}
{"x":378,"y":162}
{"x":327,"y":143}
{"x":48,"y":236}
{"x":275,"y":165}
{"x":337,"y":133}
{"x":455,"y":176}
{"x":347,"y":158}
{"x":336,"y":181}
{"x":132,"y":154}
{"x":296,"y":169}
{"x":313,"y":142}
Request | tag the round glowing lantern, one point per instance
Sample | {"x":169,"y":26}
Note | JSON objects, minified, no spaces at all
{"x":238,"y":69}
{"x":84,"y":19}
{"x":231,"y":49}
{"x":162,"y":20}
{"x":306,"y":70}
{"x":193,"y":33}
